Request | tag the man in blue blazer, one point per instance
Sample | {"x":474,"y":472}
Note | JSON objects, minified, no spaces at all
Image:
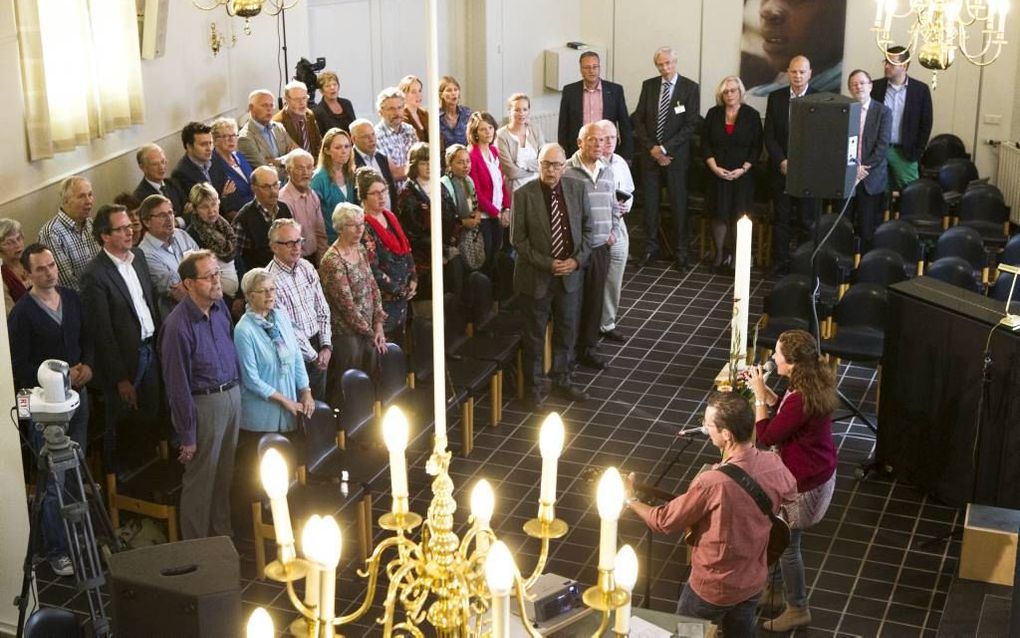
{"x":597,"y":99}
{"x":909,"y":100}
{"x":872,"y":146}
{"x":197,"y":166}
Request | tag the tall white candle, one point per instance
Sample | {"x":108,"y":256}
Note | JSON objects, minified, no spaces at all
{"x":482,"y":504}
{"x":878,"y":12}
{"x":275,"y":480}
{"x":395,"y":434}
{"x":309,"y":534}
{"x":499,"y":576}
{"x":550,"y":444}
{"x":610,"y":501}
{"x":742,"y":286}
{"x":626,"y":576}
{"x":324,"y":551}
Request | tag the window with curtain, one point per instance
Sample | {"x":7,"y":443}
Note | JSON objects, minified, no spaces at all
{"x":81,"y":71}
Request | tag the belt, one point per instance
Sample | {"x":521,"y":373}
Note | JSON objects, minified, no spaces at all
{"x":147,"y":341}
{"x":215,"y":389}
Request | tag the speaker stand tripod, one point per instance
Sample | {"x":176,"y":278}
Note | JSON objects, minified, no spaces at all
{"x":60,"y":460}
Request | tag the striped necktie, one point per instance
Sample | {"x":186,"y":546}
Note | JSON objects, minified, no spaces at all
{"x":556,"y":223}
{"x":667,"y":92}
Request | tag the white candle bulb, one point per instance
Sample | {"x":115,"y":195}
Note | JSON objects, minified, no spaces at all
{"x":323,"y":549}
{"x":483,"y":501}
{"x":499,"y":575}
{"x":878,"y":12}
{"x":550,"y":444}
{"x":275,"y":480}
{"x":742,"y":288}
{"x":626,"y":575}
{"x":395,"y":433}
{"x":308,"y":535}
{"x":260,"y":624}
{"x":610,"y":501}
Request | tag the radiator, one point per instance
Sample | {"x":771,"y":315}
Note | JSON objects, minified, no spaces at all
{"x":1008,"y":178}
{"x":549,"y":122}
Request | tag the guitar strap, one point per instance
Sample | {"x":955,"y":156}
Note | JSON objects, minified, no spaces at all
{"x":751,"y":486}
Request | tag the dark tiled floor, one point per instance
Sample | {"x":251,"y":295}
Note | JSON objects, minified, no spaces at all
{"x":869,"y":569}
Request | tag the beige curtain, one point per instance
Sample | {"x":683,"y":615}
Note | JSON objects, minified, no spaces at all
{"x":81,"y":71}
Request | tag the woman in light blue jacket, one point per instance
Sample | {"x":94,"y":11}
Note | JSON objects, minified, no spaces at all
{"x":274,"y":382}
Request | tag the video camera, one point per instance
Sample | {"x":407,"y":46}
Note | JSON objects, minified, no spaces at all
{"x":305,"y":71}
{"x":53,"y":402}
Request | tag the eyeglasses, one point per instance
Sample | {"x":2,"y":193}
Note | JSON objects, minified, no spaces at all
{"x":214,"y":275}
{"x":355,"y":224}
{"x":291,"y":244}
{"x":227,"y":136}
{"x":266,"y":291}
{"x":121,"y":229}
{"x":12,"y":240}
{"x":377,"y":192}
{"x":554,"y":165}
{"x":163,"y":215}
{"x":273,"y":185}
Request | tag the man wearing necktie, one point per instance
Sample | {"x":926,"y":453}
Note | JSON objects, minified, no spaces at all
{"x":551,"y":228}
{"x":873,"y":165}
{"x":666,"y":118}
{"x":155,"y":178}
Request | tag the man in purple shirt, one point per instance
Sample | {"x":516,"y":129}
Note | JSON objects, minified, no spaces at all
{"x":201,"y":372}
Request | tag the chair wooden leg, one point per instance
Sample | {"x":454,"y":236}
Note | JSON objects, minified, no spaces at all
{"x":173,"y":533}
{"x":547,"y":351}
{"x":499,"y":392}
{"x":111,"y":500}
{"x":878,"y":388}
{"x":362,"y":530}
{"x":494,"y":400}
{"x":467,"y":427}
{"x":377,"y":410}
{"x":520,"y":374}
{"x":341,"y":440}
{"x":410,"y":380}
{"x":260,"y":541}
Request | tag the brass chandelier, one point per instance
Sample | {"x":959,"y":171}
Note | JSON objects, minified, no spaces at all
{"x":940,"y":29}
{"x":247,"y":9}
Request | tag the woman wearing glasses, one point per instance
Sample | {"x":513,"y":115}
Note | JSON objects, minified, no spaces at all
{"x":211,"y":231}
{"x":12,"y":244}
{"x":233,"y":181}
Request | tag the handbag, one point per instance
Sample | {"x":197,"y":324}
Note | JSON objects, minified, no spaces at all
{"x":472,"y":248}
{"x":779,"y":535}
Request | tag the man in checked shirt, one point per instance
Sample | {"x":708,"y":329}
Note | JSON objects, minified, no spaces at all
{"x":69,"y":234}
{"x":299,"y":292}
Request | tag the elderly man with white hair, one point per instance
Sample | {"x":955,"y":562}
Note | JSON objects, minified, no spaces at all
{"x":69,"y":233}
{"x":261,"y":140}
{"x":394,"y":135}
{"x":297,"y":119}
{"x":304,"y":204}
{"x":252,"y":222}
{"x":366,"y":153}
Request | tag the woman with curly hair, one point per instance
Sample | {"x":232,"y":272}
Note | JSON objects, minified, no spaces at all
{"x":801,"y":429}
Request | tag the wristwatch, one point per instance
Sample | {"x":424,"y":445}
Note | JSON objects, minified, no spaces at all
{"x":758,"y":403}
{"x":630,"y":499}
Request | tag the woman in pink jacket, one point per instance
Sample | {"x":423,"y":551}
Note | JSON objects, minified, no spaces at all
{"x":493,"y":195}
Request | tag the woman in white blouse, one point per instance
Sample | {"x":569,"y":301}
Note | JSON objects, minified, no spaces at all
{"x":518,"y":143}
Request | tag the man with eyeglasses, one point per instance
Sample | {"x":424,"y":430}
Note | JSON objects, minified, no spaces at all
{"x":305,"y":205}
{"x":299,"y":293}
{"x":909,"y":101}
{"x":120,"y":304}
{"x":163,"y":247}
{"x":551,"y":228}
{"x":253,"y":220}
{"x":589,"y":100}
{"x":202,"y":374}
{"x":868,"y":202}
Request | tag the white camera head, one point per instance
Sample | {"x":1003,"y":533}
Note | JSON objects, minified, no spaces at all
{"x":54,"y":401}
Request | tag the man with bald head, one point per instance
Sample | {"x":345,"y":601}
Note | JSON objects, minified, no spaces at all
{"x":550,"y":226}
{"x":68,"y":234}
{"x":777,"y":137}
{"x":155,"y":178}
{"x":261,"y":140}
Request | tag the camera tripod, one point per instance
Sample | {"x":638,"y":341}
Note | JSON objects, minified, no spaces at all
{"x":61,"y":467}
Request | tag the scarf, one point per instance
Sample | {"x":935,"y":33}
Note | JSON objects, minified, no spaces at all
{"x":272,"y":330}
{"x":393,"y":237}
{"x":218,"y":237}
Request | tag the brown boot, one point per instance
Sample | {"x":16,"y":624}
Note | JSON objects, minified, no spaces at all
{"x":792,"y":618}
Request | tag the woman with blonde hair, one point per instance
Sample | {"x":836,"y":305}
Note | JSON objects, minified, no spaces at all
{"x":801,"y":428}
{"x":333,"y":180}
{"x":411,"y":86}
{"x":332,"y":111}
{"x":213,"y":232}
{"x":518,"y":143}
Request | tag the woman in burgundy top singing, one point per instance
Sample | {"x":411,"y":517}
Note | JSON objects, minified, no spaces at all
{"x":801,"y":429}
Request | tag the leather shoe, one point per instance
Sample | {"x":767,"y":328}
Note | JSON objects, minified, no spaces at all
{"x":569,"y":393}
{"x":647,"y":259}
{"x":533,"y":401}
{"x":592,"y":361}
{"x":681,"y":266}
{"x":614,"y":335}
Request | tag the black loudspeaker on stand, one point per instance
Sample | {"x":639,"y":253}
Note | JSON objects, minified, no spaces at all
{"x":191,"y":588}
{"x":822,"y":157}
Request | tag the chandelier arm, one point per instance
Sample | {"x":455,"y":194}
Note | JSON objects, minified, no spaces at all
{"x":274,"y":7}
{"x":372,"y":573}
{"x":543,"y":557}
{"x":216,"y":4}
{"x":974,"y":58}
{"x":519,"y":589}
{"x":307,"y":612}
{"x":389,"y":604}
{"x":410,"y":628}
{"x":603,"y":624}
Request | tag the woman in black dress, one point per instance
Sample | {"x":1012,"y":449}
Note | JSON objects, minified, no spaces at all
{"x":731,"y":140}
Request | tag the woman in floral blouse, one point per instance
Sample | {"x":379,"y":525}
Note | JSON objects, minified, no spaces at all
{"x":355,"y":303}
{"x":389,"y":252}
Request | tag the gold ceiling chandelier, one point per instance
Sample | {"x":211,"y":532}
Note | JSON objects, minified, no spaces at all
{"x":247,"y":9}
{"x":940,"y":29}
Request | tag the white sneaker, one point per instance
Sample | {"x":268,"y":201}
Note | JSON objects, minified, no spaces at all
{"x":62,"y":566}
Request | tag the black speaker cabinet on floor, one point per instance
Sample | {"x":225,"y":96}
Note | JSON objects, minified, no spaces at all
{"x":191,"y":588}
{"x":822,"y":158}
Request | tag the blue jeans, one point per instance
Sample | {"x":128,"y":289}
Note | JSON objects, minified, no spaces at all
{"x":735,"y":621}
{"x":52,"y":524}
{"x":791,"y":564}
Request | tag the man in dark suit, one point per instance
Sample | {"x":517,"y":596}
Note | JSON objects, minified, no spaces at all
{"x":152,"y":160}
{"x":550,"y":226}
{"x":196,"y":166}
{"x":777,"y":137}
{"x":590,"y":100}
{"x":666,"y":118}
{"x":366,"y":153}
{"x":909,"y":100}
{"x":254,"y":219}
{"x":872,"y":167}
{"x":120,"y":304}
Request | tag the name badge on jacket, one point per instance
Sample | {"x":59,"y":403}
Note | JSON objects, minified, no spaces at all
{"x":679,"y":108}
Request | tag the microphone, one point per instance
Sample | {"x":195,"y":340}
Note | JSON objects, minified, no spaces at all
{"x":698,"y":430}
{"x":769,"y":368}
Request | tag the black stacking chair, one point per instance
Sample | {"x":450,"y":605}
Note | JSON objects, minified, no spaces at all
{"x":322,"y":442}
{"x":358,"y":411}
{"x":422,"y":379}
{"x":902,"y":238}
{"x":474,"y":375}
{"x":830,"y":273}
{"x":984,"y":209}
{"x":956,"y":271}
{"x":964,"y":242}
{"x":393,"y":388}
{"x":52,"y":622}
{"x":940,"y":149}
{"x":880,"y":266}
{"x":492,"y":339}
{"x":154,"y":490}
{"x":1011,"y":253}
{"x":841,"y":242}
{"x":787,"y":307}
{"x":922,"y":205}
{"x":956,"y":174}
{"x":859,"y":325}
